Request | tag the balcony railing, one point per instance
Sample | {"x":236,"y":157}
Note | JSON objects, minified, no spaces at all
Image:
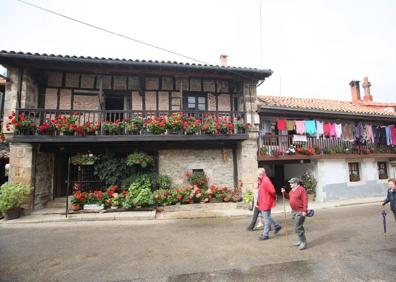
{"x":276,"y":145}
{"x":127,"y":122}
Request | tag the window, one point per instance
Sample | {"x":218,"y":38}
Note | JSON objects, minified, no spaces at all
{"x":195,"y":102}
{"x":354,"y":174}
{"x":382,"y":170}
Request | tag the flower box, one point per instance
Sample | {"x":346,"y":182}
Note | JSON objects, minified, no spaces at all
{"x":93,"y":207}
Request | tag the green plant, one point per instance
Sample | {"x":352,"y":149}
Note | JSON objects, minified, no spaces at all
{"x":83,"y":159}
{"x":139,"y":158}
{"x":139,"y":193}
{"x":263,"y":151}
{"x":111,"y":169}
{"x":198,"y":178}
{"x":309,"y":182}
{"x":164,"y":182}
{"x":13,"y":196}
{"x":248,"y":197}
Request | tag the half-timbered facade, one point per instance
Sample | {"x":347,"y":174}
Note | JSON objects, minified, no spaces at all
{"x":99,"y":93}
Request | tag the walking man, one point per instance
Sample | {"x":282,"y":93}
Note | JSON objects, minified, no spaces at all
{"x":299,"y":206}
{"x":391,"y":196}
{"x":267,"y":201}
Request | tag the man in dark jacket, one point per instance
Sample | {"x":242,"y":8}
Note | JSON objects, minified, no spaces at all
{"x":391,"y":196}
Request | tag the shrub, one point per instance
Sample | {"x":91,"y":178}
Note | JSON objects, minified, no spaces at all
{"x":164,"y":182}
{"x":309,"y":182}
{"x":13,"y":196}
{"x":111,"y":169}
{"x":139,"y":193}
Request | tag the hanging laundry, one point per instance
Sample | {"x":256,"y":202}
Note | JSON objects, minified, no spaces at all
{"x":347,"y":132}
{"x":333,"y":130}
{"x":379,"y":135}
{"x":281,"y":124}
{"x":319,"y":129}
{"x":326,"y":129}
{"x":388,"y":135}
{"x":393,"y":134}
{"x":290,"y":125}
{"x":300,"y":126}
{"x":299,"y":138}
{"x":310,"y":127}
{"x":357,"y":130}
{"x":338,"y":129}
{"x":370,"y":135}
{"x":283,"y":132}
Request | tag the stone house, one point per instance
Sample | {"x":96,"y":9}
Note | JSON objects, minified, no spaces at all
{"x":344,"y":166}
{"x":42,"y":87}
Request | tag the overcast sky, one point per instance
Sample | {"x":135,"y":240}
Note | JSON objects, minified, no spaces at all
{"x":314,"y":47}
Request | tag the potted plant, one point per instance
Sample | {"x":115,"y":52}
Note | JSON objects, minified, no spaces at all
{"x":22,"y":124}
{"x":139,"y":158}
{"x":192,"y":126}
{"x":134,"y":125}
{"x":78,"y":200}
{"x":248,"y":198}
{"x":241,"y":126}
{"x":156,"y":125}
{"x":83,"y":159}
{"x":175,"y":122}
{"x":309,"y":183}
{"x":12,"y":196}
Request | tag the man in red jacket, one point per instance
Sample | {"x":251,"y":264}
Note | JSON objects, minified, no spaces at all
{"x":299,"y":205}
{"x":266,"y":201}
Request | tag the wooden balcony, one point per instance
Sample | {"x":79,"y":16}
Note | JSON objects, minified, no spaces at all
{"x":283,"y":147}
{"x":93,"y":126}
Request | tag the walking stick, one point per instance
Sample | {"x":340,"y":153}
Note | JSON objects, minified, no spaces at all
{"x":383,"y":213}
{"x":284,"y":212}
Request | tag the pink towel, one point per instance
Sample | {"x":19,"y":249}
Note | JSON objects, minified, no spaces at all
{"x":300,"y":127}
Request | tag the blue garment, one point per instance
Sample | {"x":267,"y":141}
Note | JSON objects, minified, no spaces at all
{"x":388,"y":136}
{"x":391,"y":198}
{"x":268,"y":221}
{"x":310,"y":127}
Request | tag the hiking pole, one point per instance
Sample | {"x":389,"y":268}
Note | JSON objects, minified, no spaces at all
{"x":284,"y":212}
{"x":383,"y":213}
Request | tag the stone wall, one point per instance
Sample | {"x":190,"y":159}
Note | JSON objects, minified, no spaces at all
{"x":44,"y":179}
{"x":21,"y":165}
{"x":216,"y":163}
{"x":247,"y":162}
{"x":29,"y":94}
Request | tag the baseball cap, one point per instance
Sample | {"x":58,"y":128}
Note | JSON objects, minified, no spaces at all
{"x":294,"y":180}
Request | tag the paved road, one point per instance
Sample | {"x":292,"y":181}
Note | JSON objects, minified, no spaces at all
{"x":345,"y":244}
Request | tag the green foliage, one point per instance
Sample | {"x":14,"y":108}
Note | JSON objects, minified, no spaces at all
{"x":165,"y":197}
{"x":83,"y":159}
{"x":164,"y":182}
{"x":13,"y":196}
{"x":139,"y":158}
{"x":139,"y":193}
{"x":309,"y":182}
{"x":198,"y":178}
{"x":248,"y":197}
{"x":111,"y":169}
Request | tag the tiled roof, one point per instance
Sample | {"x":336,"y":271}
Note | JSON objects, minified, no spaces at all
{"x":9,"y":56}
{"x":322,"y":105}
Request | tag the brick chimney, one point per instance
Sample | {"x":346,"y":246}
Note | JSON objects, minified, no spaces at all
{"x":223,"y":60}
{"x":355,"y":91}
{"x":366,"y":86}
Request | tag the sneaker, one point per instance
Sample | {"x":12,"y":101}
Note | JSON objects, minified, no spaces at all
{"x":297,"y":243}
{"x":249,"y":229}
{"x":302,"y":246}
{"x":263,"y":238}
{"x":277,"y":229}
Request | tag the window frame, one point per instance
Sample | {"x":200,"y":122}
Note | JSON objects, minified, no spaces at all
{"x":385,"y":168}
{"x":196,"y":95}
{"x":354,"y":167}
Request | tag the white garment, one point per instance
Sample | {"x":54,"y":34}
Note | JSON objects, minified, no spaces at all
{"x":299,"y":138}
{"x":338,"y":130}
{"x":319,"y":129}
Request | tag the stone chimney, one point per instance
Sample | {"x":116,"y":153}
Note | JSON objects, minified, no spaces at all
{"x":223,"y":60}
{"x":355,"y":91}
{"x":366,"y":86}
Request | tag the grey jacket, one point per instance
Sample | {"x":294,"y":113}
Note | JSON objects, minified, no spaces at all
{"x":391,"y":198}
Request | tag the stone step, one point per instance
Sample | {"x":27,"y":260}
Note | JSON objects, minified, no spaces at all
{"x":58,"y":203}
